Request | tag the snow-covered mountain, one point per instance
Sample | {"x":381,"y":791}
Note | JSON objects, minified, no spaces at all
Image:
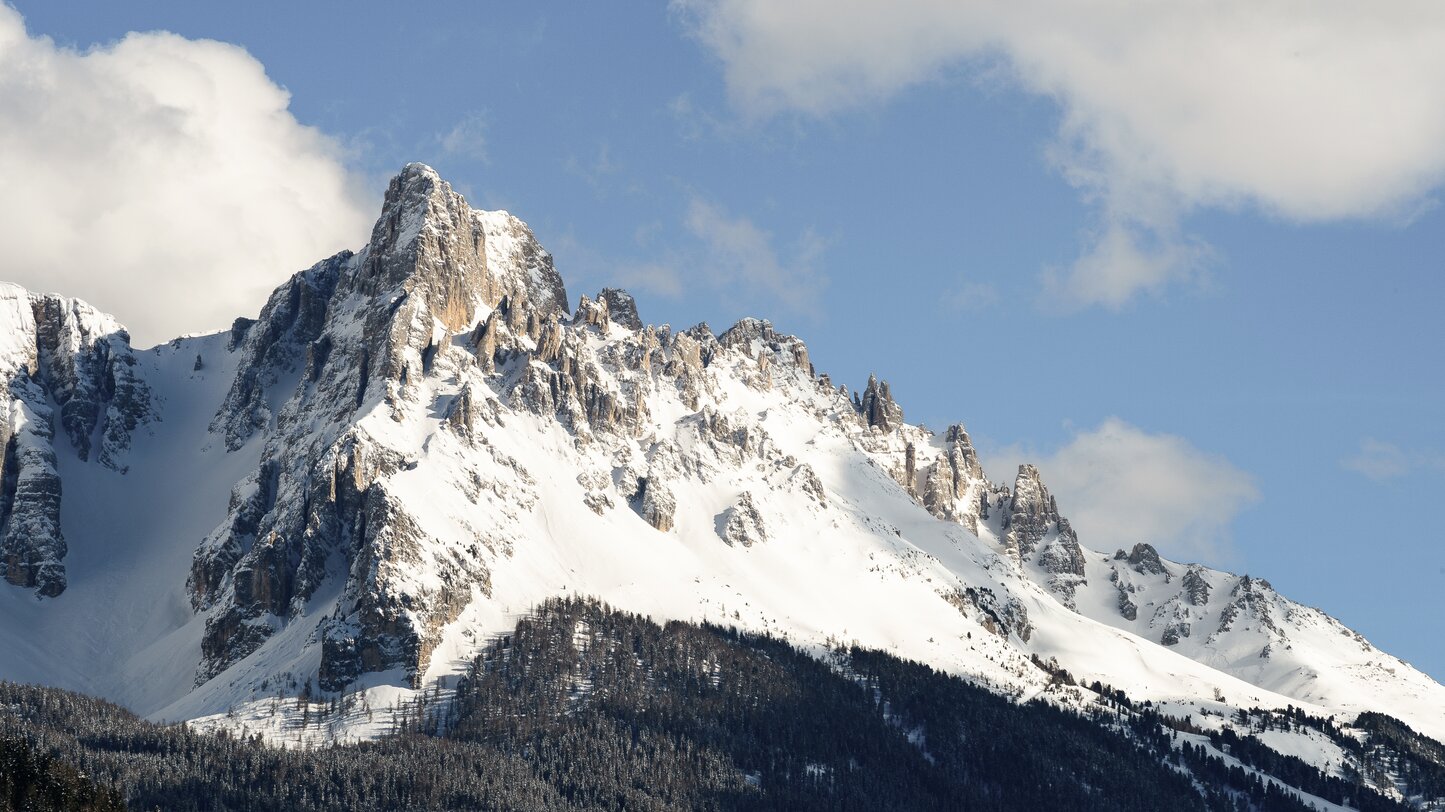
{"x":415,"y":443}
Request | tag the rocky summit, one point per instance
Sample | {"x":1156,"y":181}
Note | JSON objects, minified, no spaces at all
{"x":410,"y":446}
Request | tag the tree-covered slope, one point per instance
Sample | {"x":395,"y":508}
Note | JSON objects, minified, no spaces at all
{"x":584,"y":707}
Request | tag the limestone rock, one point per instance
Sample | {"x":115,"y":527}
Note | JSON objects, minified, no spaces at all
{"x":999,"y":616}
{"x":955,"y":488}
{"x":805,"y":480}
{"x":877,"y":406}
{"x":32,"y":547}
{"x":61,"y":363}
{"x":1032,"y":511}
{"x":1196,"y":588}
{"x":273,"y":345}
{"x":1251,"y":598}
{"x":1127,"y":608}
{"x":1145,"y":560}
{"x":1036,"y":532}
{"x":593,"y":313}
{"x":656,"y":504}
{"x":369,"y":329}
{"x":742,"y":524}
{"x":756,"y":338}
{"x":621,"y":308}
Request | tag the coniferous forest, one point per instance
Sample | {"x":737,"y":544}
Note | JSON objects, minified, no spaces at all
{"x":585,"y":708}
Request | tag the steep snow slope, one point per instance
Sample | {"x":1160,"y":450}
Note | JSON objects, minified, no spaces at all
{"x":123,"y":627}
{"x":415,"y":443}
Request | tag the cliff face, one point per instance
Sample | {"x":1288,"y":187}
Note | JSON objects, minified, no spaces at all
{"x":61,"y":362}
{"x":350,"y":339}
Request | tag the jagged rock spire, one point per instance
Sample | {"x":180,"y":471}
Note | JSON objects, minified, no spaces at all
{"x":1036,"y":532}
{"x":878,"y":407}
{"x":621,"y":307}
{"x":957,"y":475}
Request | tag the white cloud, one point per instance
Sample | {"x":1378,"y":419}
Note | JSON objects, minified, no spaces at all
{"x":1382,"y":461}
{"x":1308,"y":110}
{"x":161,"y":179}
{"x":1120,"y":485}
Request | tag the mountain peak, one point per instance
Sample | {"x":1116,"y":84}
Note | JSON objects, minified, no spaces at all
{"x":417,"y":445}
{"x":429,"y":241}
{"x":418,"y":169}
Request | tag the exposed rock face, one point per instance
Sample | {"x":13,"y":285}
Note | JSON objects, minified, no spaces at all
{"x":621,"y":307}
{"x":878,"y":408}
{"x":731,"y":441}
{"x":656,"y":504}
{"x":757,"y":338}
{"x":32,"y":547}
{"x":1036,"y":532}
{"x":805,"y":479}
{"x":1031,"y":513}
{"x":687,"y":356}
{"x":999,"y":616}
{"x":1195,"y":586}
{"x":1252,"y":599}
{"x":60,"y":361}
{"x":1174,"y":632}
{"x":742,"y":524}
{"x":430,"y":245}
{"x":1127,"y":607}
{"x":1145,"y":560}
{"x":274,"y":346}
{"x":955,"y":488}
{"x":352,"y":340}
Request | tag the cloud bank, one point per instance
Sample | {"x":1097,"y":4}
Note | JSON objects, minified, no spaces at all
{"x":1120,"y":485}
{"x":161,"y":179}
{"x":1307,"y":110}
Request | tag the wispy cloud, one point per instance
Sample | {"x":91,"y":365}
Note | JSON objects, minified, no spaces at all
{"x":468,"y":138}
{"x":596,"y":170}
{"x":1382,"y":461}
{"x":970,"y":295}
{"x":742,"y":260}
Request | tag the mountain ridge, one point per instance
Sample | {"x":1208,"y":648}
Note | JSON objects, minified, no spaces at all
{"x":417,"y":440}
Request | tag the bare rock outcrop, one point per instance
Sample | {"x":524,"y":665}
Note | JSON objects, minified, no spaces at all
{"x":742,"y":524}
{"x":656,"y":504}
{"x":954,"y":487}
{"x":621,"y":308}
{"x":877,"y":406}
{"x":756,"y":338}
{"x":1036,"y":532}
{"x":32,"y":547}
{"x":1144,"y":559}
{"x":61,"y":362}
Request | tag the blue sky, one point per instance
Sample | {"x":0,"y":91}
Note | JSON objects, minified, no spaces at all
{"x":1208,"y":302}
